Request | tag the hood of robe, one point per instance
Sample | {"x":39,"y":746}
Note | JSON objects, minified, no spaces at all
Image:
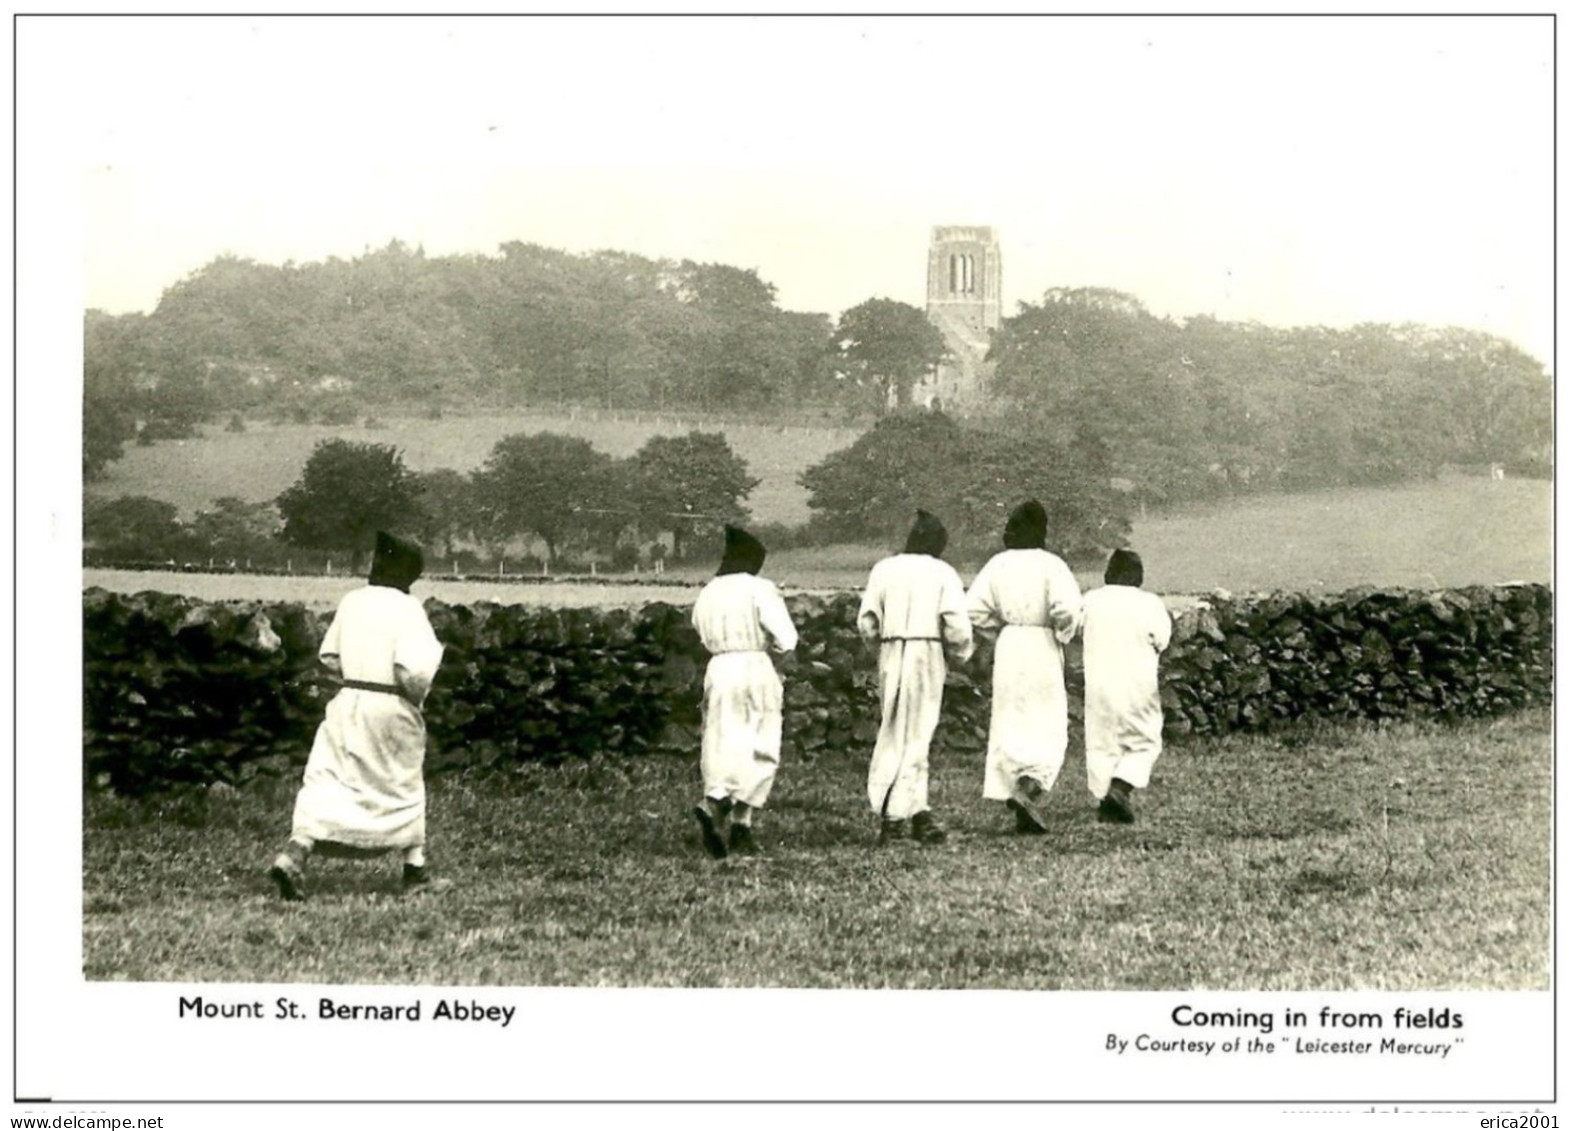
{"x":1027,"y":527}
{"x":743,"y":553}
{"x":396,"y":564}
{"x":927,"y":536}
{"x":1125,"y":568}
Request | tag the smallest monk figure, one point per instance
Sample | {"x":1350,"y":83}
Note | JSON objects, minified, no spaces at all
{"x":740,"y":618}
{"x":1126,"y":630}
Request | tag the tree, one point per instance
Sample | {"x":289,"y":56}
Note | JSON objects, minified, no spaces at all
{"x":544,"y":484}
{"x":893,"y":344}
{"x":107,"y":424}
{"x":870,"y":489}
{"x":109,"y":362}
{"x":347,"y":492}
{"x":135,"y":526}
{"x":696,"y":475}
{"x":235,"y":529}
{"x":447,"y":507}
{"x":176,"y":402}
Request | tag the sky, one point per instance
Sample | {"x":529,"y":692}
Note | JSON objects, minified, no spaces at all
{"x":1283,"y":170}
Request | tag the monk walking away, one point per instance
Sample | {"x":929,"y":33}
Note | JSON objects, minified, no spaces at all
{"x":1126,"y":630}
{"x":740,"y":618}
{"x":1030,"y":595}
{"x":364,"y":787}
{"x":913,"y":612}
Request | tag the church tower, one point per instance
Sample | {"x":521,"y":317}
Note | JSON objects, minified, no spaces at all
{"x":965,"y":301}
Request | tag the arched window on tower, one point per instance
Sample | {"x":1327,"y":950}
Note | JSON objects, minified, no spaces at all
{"x":970,"y":274}
{"x":953,"y":274}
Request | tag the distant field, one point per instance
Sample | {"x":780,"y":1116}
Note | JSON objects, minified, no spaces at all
{"x":1458,"y":532}
{"x":1422,"y":535}
{"x":263,"y":461}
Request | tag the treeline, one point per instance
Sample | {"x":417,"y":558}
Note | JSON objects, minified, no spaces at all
{"x":1203,"y":407}
{"x":528,"y":326}
{"x":570,"y":503}
{"x":1181,"y":409}
{"x":558,"y":496}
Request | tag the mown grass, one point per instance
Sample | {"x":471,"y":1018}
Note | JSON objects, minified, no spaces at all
{"x":1354,"y":857}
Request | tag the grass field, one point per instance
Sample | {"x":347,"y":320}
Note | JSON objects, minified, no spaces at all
{"x":263,"y":461}
{"x":1401,"y":857}
{"x":1427,"y":535}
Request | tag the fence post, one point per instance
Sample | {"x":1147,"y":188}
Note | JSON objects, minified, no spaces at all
{"x":501,"y":566}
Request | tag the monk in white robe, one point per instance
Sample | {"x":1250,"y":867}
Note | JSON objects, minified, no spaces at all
{"x":364,"y":787}
{"x":913,"y":610}
{"x":740,"y":618}
{"x":1029,"y":594}
{"x":1126,"y":630}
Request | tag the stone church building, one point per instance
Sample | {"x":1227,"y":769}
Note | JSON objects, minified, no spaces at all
{"x":965,"y":302}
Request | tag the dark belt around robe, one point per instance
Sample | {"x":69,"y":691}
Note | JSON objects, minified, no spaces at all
{"x":904,"y":639}
{"x":384,"y":688}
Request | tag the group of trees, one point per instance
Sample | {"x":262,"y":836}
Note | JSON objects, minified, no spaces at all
{"x":136,"y":528}
{"x":527,"y":326}
{"x":562,"y":491}
{"x":1200,"y":407}
{"x":557,"y":489}
{"x":972,"y":478}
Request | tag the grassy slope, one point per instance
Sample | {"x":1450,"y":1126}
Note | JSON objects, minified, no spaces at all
{"x":1258,"y":864}
{"x":263,"y":461}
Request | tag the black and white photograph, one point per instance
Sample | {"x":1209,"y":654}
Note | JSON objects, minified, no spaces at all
{"x":618,"y":542}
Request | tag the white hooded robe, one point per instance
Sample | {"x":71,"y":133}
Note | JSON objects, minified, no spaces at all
{"x":740,"y":618}
{"x":364,"y":783}
{"x":914,"y":610}
{"x":1126,"y":630}
{"x":1032,"y":596}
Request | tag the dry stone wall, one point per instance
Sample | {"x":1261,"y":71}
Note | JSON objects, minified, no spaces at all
{"x":182,"y":690}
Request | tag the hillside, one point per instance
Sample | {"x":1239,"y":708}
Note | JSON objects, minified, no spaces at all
{"x":262,"y":461}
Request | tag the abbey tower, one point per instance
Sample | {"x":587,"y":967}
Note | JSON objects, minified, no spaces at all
{"x":965,"y":301}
